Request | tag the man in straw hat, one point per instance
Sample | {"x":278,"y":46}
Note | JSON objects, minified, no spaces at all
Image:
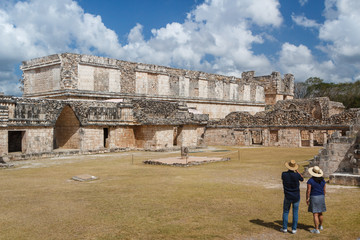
{"x":315,"y":197}
{"x":291,"y":181}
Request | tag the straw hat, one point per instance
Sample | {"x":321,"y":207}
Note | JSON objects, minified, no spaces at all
{"x":315,"y":171}
{"x":292,"y":165}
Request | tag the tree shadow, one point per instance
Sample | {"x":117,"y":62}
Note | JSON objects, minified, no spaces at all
{"x":276,"y":225}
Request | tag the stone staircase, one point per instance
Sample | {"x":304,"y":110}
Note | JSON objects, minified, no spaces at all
{"x":340,"y":158}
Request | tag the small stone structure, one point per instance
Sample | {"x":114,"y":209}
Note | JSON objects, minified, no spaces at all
{"x":182,"y":162}
{"x":184,"y":152}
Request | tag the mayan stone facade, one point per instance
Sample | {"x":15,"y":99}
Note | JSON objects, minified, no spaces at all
{"x":74,"y":76}
{"x":83,"y":103}
{"x":80,"y":104}
{"x":290,"y":123}
{"x":30,"y":127}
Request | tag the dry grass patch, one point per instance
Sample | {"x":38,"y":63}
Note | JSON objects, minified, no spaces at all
{"x":238,"y":199}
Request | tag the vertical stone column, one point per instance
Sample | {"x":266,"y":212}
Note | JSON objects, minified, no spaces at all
{"x":184,"y":152}
{"x":299,"y":138}
{"x":311,"y":138}
{"x":3,"y":142}
{"x":266,"y":137}
{"x":248,"y":138}
{"x":325,"y":136}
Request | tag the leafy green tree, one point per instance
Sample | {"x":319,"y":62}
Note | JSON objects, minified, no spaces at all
{"x":346,"y":93}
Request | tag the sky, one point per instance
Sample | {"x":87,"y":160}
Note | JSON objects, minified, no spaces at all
{"x":308,"y":38}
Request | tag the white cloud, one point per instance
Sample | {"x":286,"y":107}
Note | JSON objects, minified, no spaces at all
{"x":300,"y":61}
{"x":341,"y":30}
{"x":37,"y":28}
{"x":220,"y":29}
{"x":304,"y":21}
{"x":339,"y":38}
{"x":303,"y":2}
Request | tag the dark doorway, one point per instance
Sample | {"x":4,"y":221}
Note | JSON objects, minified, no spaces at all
{"x":15,"y":141}
{"x":106,"y":136}
{"x":274,"y":136}
{"x":177,"y":132}
{"x":256,"y":136}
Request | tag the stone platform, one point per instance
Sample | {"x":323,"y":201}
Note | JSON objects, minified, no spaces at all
{"x":344,"y":179}
{"x":185,"y":162}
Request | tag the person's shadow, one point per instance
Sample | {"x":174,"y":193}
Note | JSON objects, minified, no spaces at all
{"x":276,"y":225}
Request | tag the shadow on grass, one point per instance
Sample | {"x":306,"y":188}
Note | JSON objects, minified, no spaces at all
{"x":276,"y":225}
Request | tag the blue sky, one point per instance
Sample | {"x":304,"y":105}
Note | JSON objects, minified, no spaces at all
{"x":308,"y":38}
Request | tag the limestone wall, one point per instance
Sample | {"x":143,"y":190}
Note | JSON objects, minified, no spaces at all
{"x":38,"y":140}
{"x":335,"y":156}
{"x":289,"y":137}
{"x":122,"y":137}
{"x":46,"y":78}
{"x":70,"y":76}
{"x":164,"y":137}
{"x":154,"y":137}
{"x":30,"y":140}
{"x":3,"y":142}
{"x":92,"y":138}
{"x":189,"y":136}
{"x":227,"y":137}
{"x":218,"y":111}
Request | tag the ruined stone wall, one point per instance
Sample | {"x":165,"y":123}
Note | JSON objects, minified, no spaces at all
{"x":164,"y":137}
{"x":99,"y":74}
{"x":38,"y":140}
{"x":72,"y":76}
{"x":154,"y":137}
{"x":3,"y":141}
{"x":319,"y":108}
{"x":189,"y":136}
{"x":333,"y":154}
{"x":43,"y":112}
{"x":151,"y":112}
{"x":122,"y":137}
{"x":31,"y":140}
{"x":289,"y":137}
{"x":46,"y":78}
{"x":227,"y":137}
{"x":92,"y":138}
{"x":276,"y":88}
{"x":218,"y":110}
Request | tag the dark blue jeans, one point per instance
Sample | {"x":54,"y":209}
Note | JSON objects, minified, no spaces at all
{"x":286,"y":210}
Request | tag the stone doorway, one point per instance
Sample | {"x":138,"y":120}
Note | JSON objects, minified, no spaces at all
{"x":106,"y":137}
{"x":305,"y":138}
{"x":67,"y":130}
{"x":176,"y":135}
{"x":274,"y":136}
{"x":15,"y":141}
{"x":256,"y":137}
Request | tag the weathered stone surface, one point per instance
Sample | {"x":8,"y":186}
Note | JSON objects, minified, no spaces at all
{"x":70,"y":75}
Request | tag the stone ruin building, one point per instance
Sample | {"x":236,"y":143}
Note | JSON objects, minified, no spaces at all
{"x":78,"y":104}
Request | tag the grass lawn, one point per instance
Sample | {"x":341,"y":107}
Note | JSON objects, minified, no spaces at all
{"x":238,"y":199}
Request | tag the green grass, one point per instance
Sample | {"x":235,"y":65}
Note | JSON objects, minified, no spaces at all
{"x":237,"y":199}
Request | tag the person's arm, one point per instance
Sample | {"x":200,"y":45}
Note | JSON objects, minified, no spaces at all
{"x":325,"y":189}
{"x":302,"y":178}
{"x":308,"y":190}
